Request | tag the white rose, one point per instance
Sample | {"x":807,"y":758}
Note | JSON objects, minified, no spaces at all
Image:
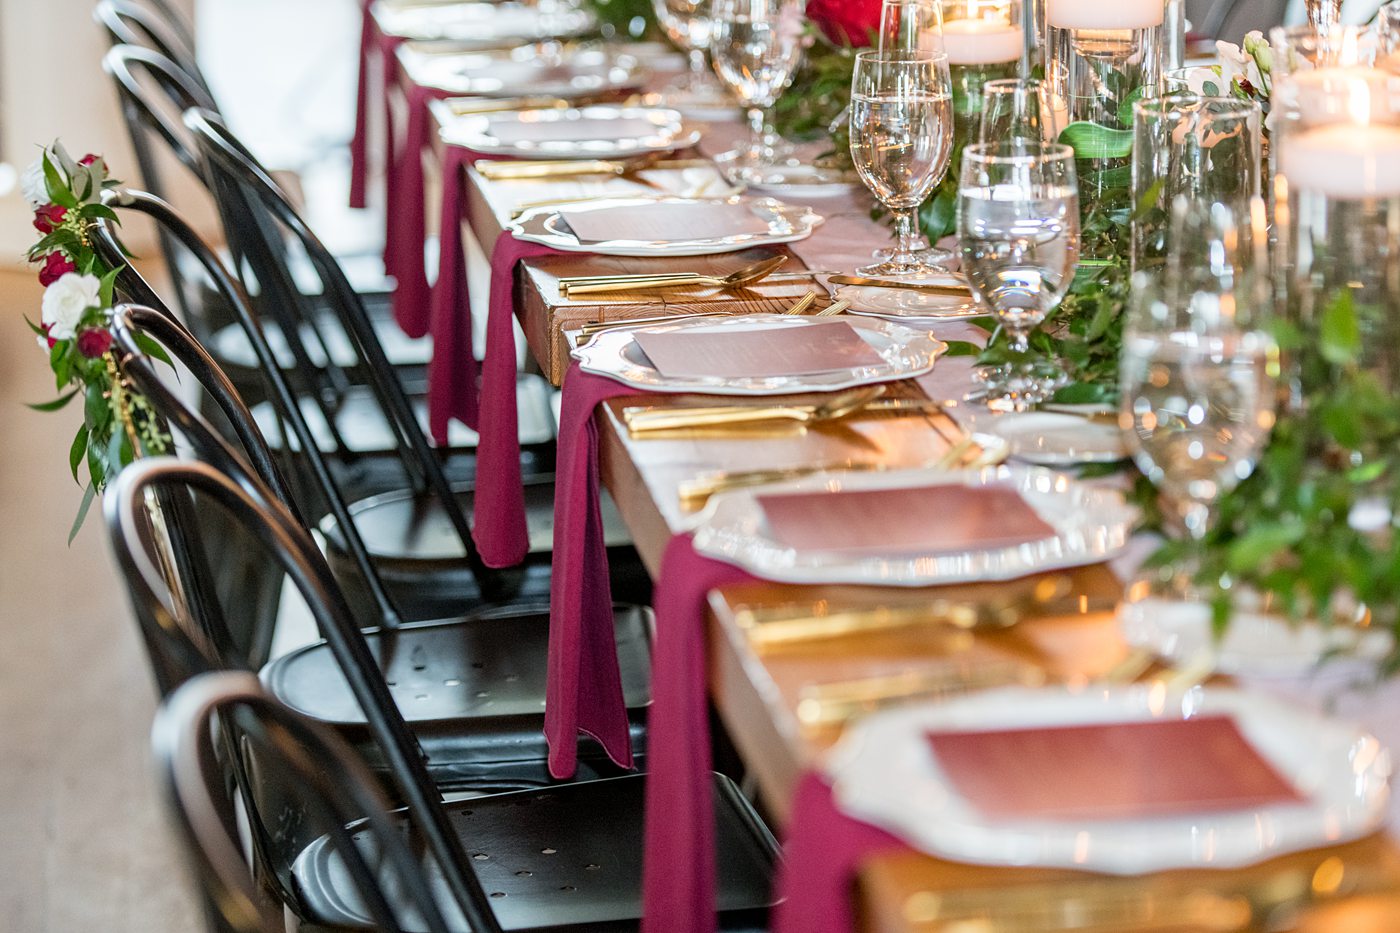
{"x":32,"y":186}
{"x":66,"y":300}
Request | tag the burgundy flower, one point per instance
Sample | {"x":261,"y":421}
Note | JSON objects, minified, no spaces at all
{"x":88,"y":159}
{"x":46,"y":339}
{"x":48,"y":217}
{"x":846,"y":21}
{"x":94,"y":342}
{"x":55,"y":265}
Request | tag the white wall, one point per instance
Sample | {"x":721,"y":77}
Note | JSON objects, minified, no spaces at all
{"x":52,"y":87}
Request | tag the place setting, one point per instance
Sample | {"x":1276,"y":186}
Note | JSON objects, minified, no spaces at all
{"x":482,"y":25}
{"x":593,"y":132}
{"x":578,"y":71}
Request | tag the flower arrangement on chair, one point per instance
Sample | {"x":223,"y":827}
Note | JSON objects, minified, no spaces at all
{"x":75,"y":321}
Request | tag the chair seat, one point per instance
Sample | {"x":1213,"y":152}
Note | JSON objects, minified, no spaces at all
{"x":472,"y":689}
{"x":364,"y":429}
{"x":230,"y":345}
{"x":399,"y":527}
{"x":566,"y":857}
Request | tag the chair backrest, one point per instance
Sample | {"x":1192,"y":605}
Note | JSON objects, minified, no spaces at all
{"x":310,"y":466}
{"x":308,"y":762}
{"x":255,"y":203}
{"x":155,"y":26}
{"x":272,"y":527}
{"x":151,"y":91}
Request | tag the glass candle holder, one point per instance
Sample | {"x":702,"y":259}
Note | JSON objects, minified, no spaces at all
{"x":1203,"y":149}
{"x":984,"y":42}
{"x":1101,"y":58}
{"x":1304,"y":48}
{"x":1337,"y":208}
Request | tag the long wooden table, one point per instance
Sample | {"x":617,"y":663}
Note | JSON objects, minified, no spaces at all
{"x":760,"y":694}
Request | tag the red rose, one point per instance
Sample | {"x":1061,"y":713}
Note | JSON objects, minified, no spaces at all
{"x":94,"y":342}
{"x":851,"y":22}
{"x":88,"y":159}
{"x":55,"y":265}
{"x":48,"y":217}
{"x":46,"y":339}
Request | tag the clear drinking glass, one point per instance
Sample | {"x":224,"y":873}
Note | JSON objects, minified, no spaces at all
{"x":901,"y":140}
{"x":1017,"y":110}
{"x":911,"y":26}
{"x":1305,"y":48}
{"x":756,"y":46}
{"x":1199,"y":371}
{"x":1207,"y":149}
{"x":1018,"y":229}
{"x":687,"y":24}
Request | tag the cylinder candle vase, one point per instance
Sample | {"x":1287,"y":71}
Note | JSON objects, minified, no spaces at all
{"x":1102,"y":57}
{"x":1337,"y":210}
{"x":984,"y":42}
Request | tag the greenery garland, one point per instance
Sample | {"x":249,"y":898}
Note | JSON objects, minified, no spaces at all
{"x":119,"y":424}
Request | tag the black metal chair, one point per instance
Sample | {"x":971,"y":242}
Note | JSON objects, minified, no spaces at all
{"x":153,"y":90}
{"x":154,"y":25}
{"x":215,"y":716}
{"x":473,"y":688}
{"x":423,"y":530}
{"x":355,"y":448}
{"x":559,"y":858}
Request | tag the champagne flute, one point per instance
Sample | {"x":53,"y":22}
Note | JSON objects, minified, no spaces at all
{"x":1018,"y":229}
{"x":901,"y":140}
{"x":755,"y":46}
{"x":1017,"y":109}
{"x":1199,"y":372}
{"x":687,"y":24}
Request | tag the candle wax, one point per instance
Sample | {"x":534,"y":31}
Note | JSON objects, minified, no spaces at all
{"x":1104,"y":14}
{"x":982,"y":41}
{"x":1344,"y":160}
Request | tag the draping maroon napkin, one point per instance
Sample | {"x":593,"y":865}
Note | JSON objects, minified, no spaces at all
{"x":678,"y":874}
{"x":499,"y":529}
{"x":821,"y":854}
{"x":1110,"y":771}
{"x":763,"y":351}
{"x":937,"y":519}
{"x":407,"y":226}
{"x":452,"y":368}
{"x":583,"y":690}
{"x":359,"y":143}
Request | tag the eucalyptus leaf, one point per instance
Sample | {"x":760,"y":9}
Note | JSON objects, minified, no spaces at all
{"x":56,"y":404}
{"x":77,"y":450}
{"x":88,"y":495}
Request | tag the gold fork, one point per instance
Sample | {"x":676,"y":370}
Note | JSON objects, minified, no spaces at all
{"x":802,"y":304}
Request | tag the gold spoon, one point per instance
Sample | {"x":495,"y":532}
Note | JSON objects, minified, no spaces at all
{"x":739,"y":278}
{"x":837,"y":406}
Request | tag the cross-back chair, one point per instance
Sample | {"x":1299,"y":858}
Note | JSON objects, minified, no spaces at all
{"x":473,"y":688}
{"x":558,"y":858}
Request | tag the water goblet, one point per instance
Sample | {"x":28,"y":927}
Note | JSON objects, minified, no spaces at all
{"x":687,"y":24}
{"x":901,"y":141}
{"x":756,"y":46}
{"x":1017,"y":109}
{"x":1018,"y":231}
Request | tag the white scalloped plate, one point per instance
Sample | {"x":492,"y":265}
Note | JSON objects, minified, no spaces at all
{"x":886,"y":773}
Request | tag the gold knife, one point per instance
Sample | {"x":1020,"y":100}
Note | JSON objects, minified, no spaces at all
{"x":774,"y":626}
{"x":953,"y":291}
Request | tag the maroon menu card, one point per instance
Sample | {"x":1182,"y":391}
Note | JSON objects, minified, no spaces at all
{"x":1113,"y":771}
{"x":911,"y":519}
{"x":821,"y":347}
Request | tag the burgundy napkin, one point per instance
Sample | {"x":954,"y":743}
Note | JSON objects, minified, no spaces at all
{"x":584,"y":685}
{"x":678,"y":874}
{"x":407,"y":227}
{"x":823,"y":849}
{"x":359,"y":143}
{"x":452,"y":368}
{"x":499,"y":529}
{"x":371,"y":40}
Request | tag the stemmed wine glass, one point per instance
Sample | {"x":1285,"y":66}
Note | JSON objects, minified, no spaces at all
{"x":1016,"y":110}
{"x":901,"y":140}
{"x":1199,"y":372}
{"x":687,"y":24}
{"x":1018,"y":229}
{"x":756,"y":46}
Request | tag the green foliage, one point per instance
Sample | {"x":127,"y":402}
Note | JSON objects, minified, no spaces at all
{"x":633,"y":19}
{"x":814,"y":105}
{"x":118,"y":424}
